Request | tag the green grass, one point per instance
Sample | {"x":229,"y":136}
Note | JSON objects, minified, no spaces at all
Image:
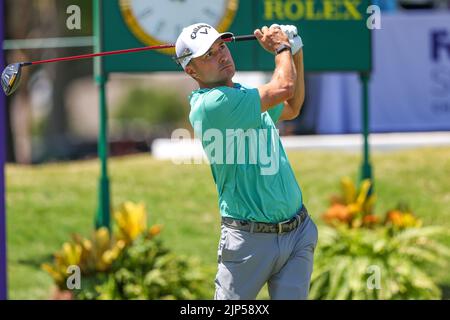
{"x":46,"y":204}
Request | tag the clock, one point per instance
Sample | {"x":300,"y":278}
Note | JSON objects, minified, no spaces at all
{"x":156,"y":22}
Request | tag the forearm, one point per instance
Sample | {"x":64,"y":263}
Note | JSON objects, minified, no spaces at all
{"x":296,"y":102}
{"x":285,"y":73}
{"x":282,"y":85}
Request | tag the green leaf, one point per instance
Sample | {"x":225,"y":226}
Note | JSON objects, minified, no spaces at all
{"x":337,"y":275}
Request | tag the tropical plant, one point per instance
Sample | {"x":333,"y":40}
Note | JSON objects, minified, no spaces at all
{"x":377,"y":264}
{"x":146,"y":270}
{"x":131,"y":221}
{"x":90,"y":255}
{"x":361,"y":256}
{"x":129,"y":264}
{"x":354,"y":207}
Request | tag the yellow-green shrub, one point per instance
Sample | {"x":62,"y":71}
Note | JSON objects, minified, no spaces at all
{"x":129,"y":264}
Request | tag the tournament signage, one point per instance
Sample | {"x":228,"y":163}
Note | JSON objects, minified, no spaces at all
{"x":411,"y":84}
{"x":313,"y":10}
{"x":335,"y":33}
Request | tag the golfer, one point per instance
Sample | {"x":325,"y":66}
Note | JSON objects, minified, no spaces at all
{"x":267,"y":235}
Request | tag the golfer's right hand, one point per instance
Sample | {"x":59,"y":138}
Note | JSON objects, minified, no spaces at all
{"x":271,"y":38}
{"x":294,"y":38}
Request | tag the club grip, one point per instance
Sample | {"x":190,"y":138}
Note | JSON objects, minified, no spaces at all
{"x":244,"y":38}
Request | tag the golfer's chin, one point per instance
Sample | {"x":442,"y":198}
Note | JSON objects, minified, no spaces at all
{"x":228,"y":73}
{"x":224,"y":77}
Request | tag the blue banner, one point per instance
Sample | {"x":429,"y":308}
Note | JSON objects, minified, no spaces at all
{"x":410,"y":83}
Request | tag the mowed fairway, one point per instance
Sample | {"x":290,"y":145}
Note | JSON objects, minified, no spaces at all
{"x":46,"y":204}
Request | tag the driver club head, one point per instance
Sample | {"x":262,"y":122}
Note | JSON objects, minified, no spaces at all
{"x":11,"y":78}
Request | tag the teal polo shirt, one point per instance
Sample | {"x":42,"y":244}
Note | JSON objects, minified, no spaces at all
{"x":250,"y":168}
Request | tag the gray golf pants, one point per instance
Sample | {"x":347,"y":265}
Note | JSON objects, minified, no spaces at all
{"x":248,"y":260}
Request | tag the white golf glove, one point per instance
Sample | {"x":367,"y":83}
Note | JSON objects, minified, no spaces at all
{"x":294,"y":39}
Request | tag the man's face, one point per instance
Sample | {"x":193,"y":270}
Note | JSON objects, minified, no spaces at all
{"x":215,"y":66}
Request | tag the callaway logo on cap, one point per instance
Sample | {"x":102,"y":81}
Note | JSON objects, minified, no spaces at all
{"x":195,"y":40}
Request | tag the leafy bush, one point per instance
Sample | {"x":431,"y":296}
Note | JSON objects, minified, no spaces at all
{"x":357,"y":242}
{"x":347,"y":257}
{"x":90,"y":255}
{"x":147,"y":270}
{"x":353,"y":208}
{"x":130,"y":264}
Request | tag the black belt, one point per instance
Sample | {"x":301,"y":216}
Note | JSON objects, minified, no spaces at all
{"x":262,"y":227}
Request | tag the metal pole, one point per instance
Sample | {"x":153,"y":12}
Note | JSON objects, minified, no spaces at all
{"x":103,"y":211}
{"x":3,"y":262}
{"x":366,"y":169}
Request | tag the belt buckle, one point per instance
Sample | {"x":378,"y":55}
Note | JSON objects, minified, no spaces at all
{"x":299,"y":218}
{"x":280,"y":225}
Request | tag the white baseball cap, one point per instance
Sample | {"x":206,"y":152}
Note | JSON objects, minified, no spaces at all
{"x":195,"y":40}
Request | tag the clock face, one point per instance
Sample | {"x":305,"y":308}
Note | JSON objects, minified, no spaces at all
{"x":157,"y":22}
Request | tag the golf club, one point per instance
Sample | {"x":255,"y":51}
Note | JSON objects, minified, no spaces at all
{"x":11,"y":75}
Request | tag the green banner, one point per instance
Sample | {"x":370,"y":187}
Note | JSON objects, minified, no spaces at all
{"x":334,"y":32}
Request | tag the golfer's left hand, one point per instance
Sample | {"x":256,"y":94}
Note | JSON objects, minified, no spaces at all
{"x":294,"y":39}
